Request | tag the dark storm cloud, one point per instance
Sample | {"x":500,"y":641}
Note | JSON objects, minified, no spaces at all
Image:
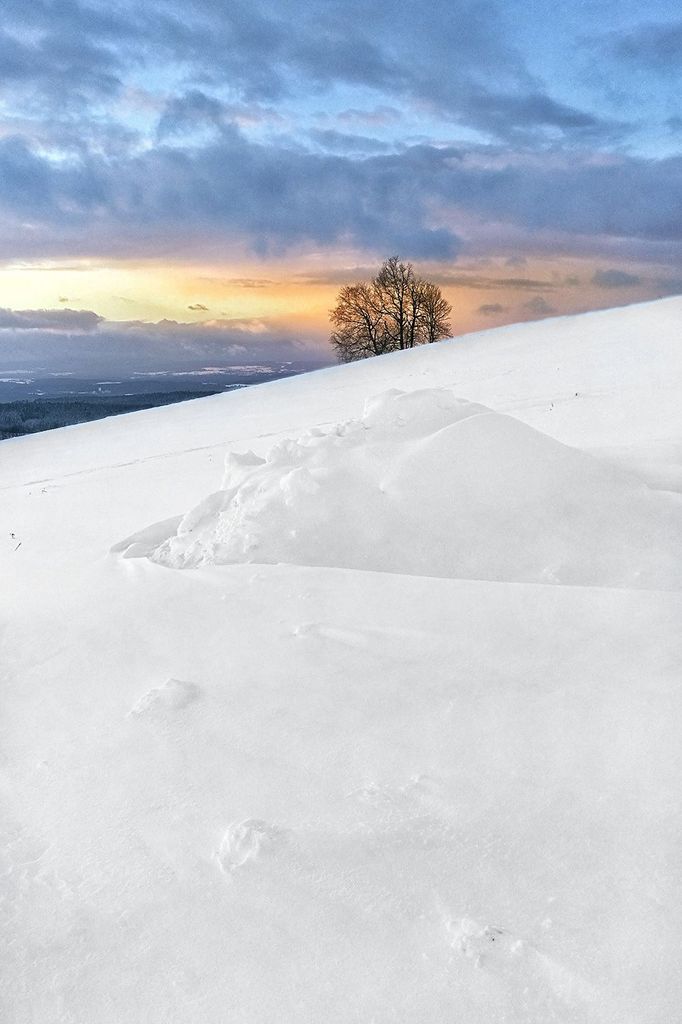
{"x":613,"y":278}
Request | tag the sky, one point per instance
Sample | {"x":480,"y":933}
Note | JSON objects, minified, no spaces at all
{"x":189,"y":182}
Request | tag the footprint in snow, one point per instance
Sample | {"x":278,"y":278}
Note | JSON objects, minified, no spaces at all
{"x":174,"y":695}
{"x":476,"y":942}
{"x":518,"y":962}
{"x":346,"y":637}
{"x":248,"y":840}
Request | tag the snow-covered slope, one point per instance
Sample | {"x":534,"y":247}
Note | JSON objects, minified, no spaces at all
{"x":426,"y":768}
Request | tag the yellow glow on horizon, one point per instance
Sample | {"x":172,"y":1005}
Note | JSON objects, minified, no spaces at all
{"x":156,"y":292}
{"x":291,"y":298}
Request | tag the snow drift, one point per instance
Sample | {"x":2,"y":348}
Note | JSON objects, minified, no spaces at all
{"x":427,"y":484}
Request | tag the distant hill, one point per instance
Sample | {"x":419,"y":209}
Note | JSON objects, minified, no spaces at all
{"x":33,"y":415}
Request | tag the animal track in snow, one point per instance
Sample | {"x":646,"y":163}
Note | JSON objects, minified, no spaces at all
{"x":174,"y":695}
{"x":248,"y":840}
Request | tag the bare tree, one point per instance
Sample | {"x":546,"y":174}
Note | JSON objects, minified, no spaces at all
{"x":396,"y":310}
{"x":358,"y":319}
{"x":435,"y":313}
{"x":396,"y":287}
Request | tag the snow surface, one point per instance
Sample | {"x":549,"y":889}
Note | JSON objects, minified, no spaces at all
{"x":354,"y":696}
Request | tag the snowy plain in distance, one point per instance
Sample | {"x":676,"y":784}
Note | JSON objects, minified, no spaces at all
{"x":353,"y":696}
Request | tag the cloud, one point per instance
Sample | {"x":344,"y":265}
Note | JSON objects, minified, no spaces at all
{"x":44,"y":338}
{"x":248,"y":282}
{"x":259,"y":52}
{"x":60,"y":66}
{"x":270,"y":198}
{"x":342,"y":142}
{"x":482,"y":283}
{"x":337,"y":275}
{"x":209,"y":130}
{"x":527,"y":116}
{"x":186,"y":112}
{"x":669,"y":285}
{"x":240,"y":282}
{"x":491,"y":309}
{"x":81,"y":320}
{"x":198,"y":307}
{"x":538,"y":306}
{"x":378,"y":117}
{"x":613,"y":278}
{"x":654,"y":45}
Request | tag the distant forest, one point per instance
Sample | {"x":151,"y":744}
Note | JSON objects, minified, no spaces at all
{"x":36,"y":414}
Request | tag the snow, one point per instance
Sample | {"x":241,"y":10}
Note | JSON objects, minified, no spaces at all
{"x":426,"y":484}
{"x":353,"y":696}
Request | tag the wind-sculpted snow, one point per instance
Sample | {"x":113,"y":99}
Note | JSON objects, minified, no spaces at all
{"x":427,"y":484}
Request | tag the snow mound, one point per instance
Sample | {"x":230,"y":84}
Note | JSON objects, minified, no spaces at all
{"x":428,"y":484}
